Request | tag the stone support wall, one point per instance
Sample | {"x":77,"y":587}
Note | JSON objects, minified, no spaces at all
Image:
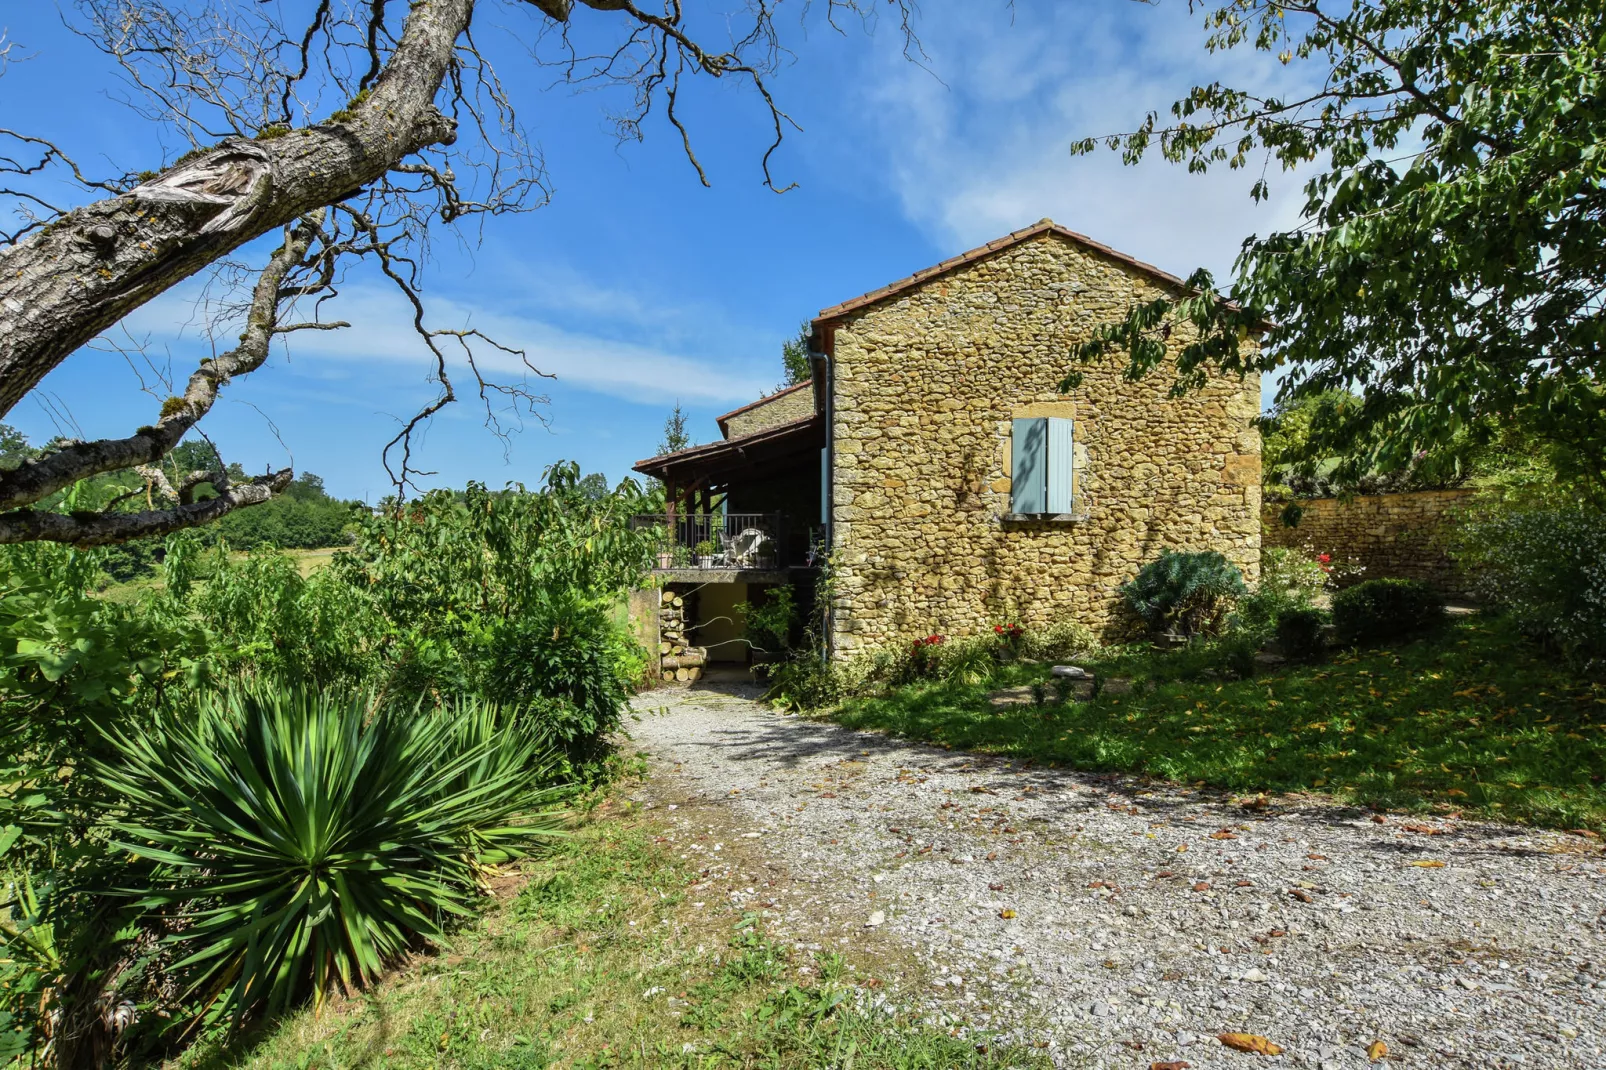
{"x":925,"y":385}
{"x":1396,"y":535}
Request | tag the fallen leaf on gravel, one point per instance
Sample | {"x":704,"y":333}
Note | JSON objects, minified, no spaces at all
{"x":1175,"y":1064}
{"x":1253,"y":1043}
{"x":1182,"y":848}
{"x":1423,"y":863}
{"x":977,"y":789}
{"x":1257,"y":803}
{"x":1171,"y":975}
{"x":1277,"y":932}
{"x":1378,"y":819}
{"x":1243,"y":884}
{"x":1201,"y":886}
{"x":1424,"y":830}
{"x":1164,"y":873}
{"x":1376,"y":1050}
{"x":1302,"y":896}
{"x":1223,"y":835}
{"x":995,"y":887}
{"x":826,"y":795}
{"x":992,"y":856}
{"x":1316,"y":857}
{"x":1006,"y":914}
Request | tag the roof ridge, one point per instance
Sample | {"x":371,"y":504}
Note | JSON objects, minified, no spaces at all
{"x":767,"y":397}
{"x":1014,"y":237}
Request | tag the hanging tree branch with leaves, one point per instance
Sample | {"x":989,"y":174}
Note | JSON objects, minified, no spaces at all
{"x":1450,"y":262}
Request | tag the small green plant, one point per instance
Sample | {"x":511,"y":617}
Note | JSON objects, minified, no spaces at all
{"x":706,"y":548}
{"x":772,"y":620}
{"x":1299,"y":633}
{"x":1377,"y":611}
{"x":1188,"y":593}
{"x":967,"y":661}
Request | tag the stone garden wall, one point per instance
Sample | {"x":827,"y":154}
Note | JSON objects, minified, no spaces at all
{"x":925,"y":385}
{"x":1396,"y":535}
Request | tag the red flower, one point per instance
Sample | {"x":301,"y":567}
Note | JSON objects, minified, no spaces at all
{"x":1324,"y":558}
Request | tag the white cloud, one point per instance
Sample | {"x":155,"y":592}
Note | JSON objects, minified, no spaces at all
{"x":986,"y":150}
{"x":382,"y":332}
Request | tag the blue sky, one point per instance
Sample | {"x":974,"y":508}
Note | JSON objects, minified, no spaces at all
{"x":637,"y":287}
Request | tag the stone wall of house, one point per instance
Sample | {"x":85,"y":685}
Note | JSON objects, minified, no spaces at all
{"x":926,"y":383}
{"x":1399,"y":535}
{"x":777,"y":409}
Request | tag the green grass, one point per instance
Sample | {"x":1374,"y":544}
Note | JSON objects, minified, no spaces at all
{"x":599,"y":961}
{"x":1471,"y":718}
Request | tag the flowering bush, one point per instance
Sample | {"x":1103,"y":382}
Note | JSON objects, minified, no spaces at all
{"x":1546,"y":566}
{"x":1008,"y":638}
{"x":924,"y":656}
{"x":1299,"y":575}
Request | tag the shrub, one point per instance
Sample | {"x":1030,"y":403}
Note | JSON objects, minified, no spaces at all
{"x":1059,"y":641}
{"x":771,"y":622}
{"x":1546,"y":567}
{"x":565,"y":657}
{"x":303,"y":841}
{"x":1190,"y":593}
{"x":1299,"y":633}
{"x":1384,"y":609}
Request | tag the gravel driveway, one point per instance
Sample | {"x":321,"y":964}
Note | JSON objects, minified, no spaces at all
{"x":1117,"y":922}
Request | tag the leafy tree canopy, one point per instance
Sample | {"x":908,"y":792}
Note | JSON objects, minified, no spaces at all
{"x":1450,"y":260}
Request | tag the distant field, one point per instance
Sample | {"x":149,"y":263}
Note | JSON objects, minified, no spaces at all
{"x":307,"y":561}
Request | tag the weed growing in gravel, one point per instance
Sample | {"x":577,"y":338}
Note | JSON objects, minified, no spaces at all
{"x":1474,"y":718}
{"x":600,"y":962}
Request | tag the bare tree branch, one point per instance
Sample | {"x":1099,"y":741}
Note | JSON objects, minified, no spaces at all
{"x":36,"y":479}
{"x":102,"y":529}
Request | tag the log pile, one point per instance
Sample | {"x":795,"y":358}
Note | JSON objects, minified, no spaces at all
{"x":677,"y":660}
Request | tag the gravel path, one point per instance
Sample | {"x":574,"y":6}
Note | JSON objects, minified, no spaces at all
{"x":1117,"y":922}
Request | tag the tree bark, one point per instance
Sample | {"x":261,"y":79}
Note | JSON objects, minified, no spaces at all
{"x":36,"y":479}
{"x":66,"y":283}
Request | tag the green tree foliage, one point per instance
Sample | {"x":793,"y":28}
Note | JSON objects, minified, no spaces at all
{"x":675,"y":437}
{"x":1450,"y":257}
{"x":795,"y":357}
{"x":419,"y":614}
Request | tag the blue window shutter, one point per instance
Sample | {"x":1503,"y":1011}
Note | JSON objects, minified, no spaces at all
{"x":1061,"y":464}
{"x":1029,"y":459}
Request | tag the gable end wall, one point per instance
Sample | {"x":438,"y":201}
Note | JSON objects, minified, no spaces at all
{"x":925,"y":386}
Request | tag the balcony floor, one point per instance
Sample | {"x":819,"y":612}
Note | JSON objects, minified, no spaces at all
{"x":734,"y":575}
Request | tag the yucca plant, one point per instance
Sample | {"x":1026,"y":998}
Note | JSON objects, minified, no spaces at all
{"x":302,"y":840}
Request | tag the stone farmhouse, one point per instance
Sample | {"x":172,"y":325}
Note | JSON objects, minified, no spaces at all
{"x":952,"y":485}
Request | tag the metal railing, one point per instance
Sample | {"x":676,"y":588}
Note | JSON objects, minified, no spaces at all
{"x":727,"y":540}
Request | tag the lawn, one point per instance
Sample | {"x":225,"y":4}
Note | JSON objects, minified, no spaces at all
{"x":592,"y":958}
{"x":1472,"y":718}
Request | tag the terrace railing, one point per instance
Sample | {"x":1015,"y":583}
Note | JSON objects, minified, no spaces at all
{"x":727,"y":540}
